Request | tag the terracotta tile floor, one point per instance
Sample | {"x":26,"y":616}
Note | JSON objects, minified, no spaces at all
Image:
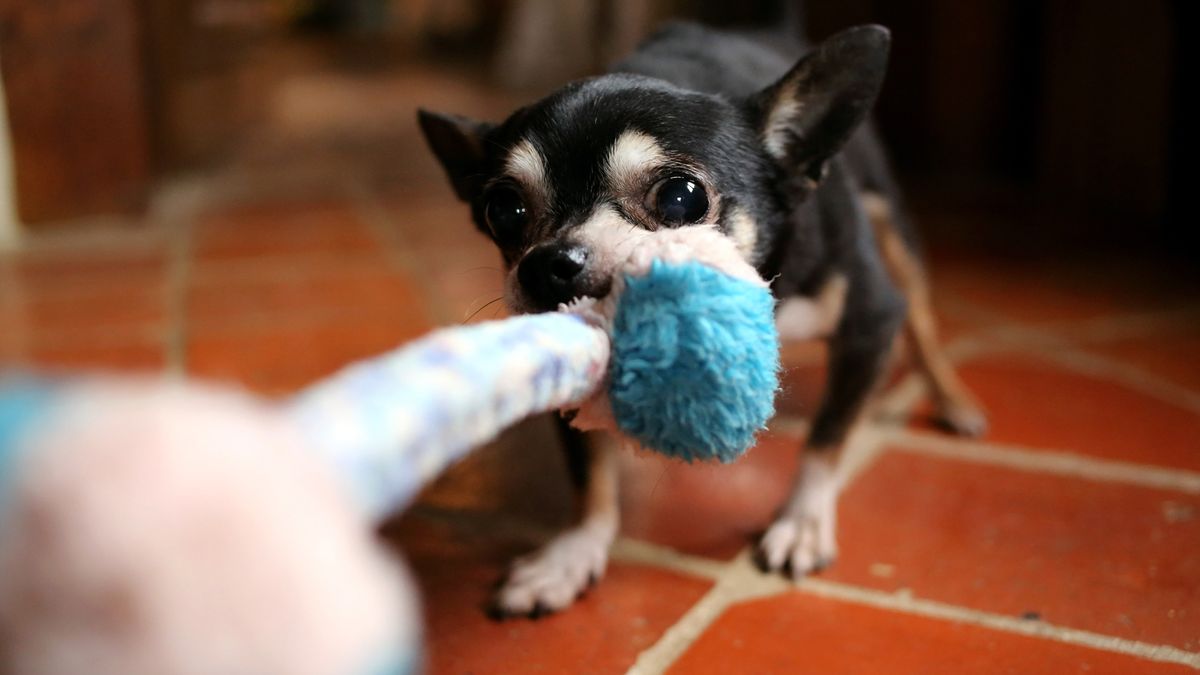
{"x":1067,"y":540}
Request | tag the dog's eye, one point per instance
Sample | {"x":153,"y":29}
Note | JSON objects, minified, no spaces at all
{"x":680,"y":200}
{"x":506,"y":213}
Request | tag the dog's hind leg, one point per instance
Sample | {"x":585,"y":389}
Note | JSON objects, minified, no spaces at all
{"x":955,"y":407}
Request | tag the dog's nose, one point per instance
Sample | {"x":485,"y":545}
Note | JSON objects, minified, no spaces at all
{"x":553,"y":274}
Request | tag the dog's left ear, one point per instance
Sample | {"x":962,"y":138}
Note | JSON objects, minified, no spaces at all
{"x":458,"y":144}
{"x":806,"y":117}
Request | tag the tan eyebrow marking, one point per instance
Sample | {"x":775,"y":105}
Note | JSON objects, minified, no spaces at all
{"x":526,"y":165}
{"x":632,"y":156}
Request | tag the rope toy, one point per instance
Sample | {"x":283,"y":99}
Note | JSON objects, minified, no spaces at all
{"x":179,"y":528}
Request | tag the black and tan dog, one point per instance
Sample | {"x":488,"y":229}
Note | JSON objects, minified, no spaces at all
{"x":707,"y":127}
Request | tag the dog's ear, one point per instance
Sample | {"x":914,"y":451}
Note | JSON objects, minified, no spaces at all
{"x":806,"y":117}
{"x":458,"y":144}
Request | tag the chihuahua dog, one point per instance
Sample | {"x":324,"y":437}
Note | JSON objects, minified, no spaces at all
{"x":704,"y":127}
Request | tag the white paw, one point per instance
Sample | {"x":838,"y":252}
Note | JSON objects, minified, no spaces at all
{"x":804,"y":538}
{"x":551,"y":578}
{"x":801,"y":544}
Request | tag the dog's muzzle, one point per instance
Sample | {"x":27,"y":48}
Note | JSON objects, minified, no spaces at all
{"x":553,"y":274}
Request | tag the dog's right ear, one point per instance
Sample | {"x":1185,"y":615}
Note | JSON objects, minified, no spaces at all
{"x":458,"y":144}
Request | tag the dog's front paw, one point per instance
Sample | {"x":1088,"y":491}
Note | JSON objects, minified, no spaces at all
{"x":803,"y":539}
{"x":801,"y":544}
{"x":554,"y":576}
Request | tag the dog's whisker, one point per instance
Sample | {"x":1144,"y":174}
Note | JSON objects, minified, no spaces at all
{"x":487,"y":304}
{"x":662,"y":475}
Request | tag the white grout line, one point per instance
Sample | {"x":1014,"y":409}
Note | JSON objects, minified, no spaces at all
{"x":739,"y":581}
{"x":1061,"y":342}
{"x":177,"y":210}
{"x":1065,"y":353}
{"x":641,"y":552}
{"x":1129,"y":326}
{"x":904,"y":603}
{"x":400,"y":254}
{"x":179,"y":265}
{"x":1131,"y":376}
{"x":1045,"y":461}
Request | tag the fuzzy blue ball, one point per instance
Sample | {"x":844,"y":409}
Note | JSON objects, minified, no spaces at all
{"x":695,"y":363}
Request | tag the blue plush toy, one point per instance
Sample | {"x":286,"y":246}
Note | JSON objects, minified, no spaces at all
{"x":213,"y":518}
{"x":695,"y":361}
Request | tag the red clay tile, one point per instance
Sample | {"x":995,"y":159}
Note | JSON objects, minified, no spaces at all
{"x":279,"y":358}
{"x":437,"y":222}
{"x":1039,"y":291}
{"x":711,"y":510}
{"x":84,"y":267}
{"x":602,"y":633}
{"x":1173,"y":357}
{"x":371,"y":288}
{"x":288,"y":228}
{"x":132,"y":355}
{"x":64,"y":309}
{"x":1105,"y":557}
{"x":954,"y":323}
{"x":61,"y":295}
{"x":1034,"y":402}
{"x":99,"y":309}
{"x":801,"y":633}
{"x":1023,"y":293}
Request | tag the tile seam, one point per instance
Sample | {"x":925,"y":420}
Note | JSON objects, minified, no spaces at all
{"x":1046,"y":461}
{"x":740,"y":579}
{"x":398,"y":252}
{"x":178,"y":274}
{"x":906,"y":604}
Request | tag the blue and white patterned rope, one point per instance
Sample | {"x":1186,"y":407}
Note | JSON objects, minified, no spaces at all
{"x":391,"y":424}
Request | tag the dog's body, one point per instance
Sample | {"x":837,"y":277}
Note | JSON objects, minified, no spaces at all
{"x":706,"y":127}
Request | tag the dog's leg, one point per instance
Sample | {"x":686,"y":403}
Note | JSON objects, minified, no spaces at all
{"x":955,"y":408}
{"x":552,"y":577}
{"x":803,"y":537}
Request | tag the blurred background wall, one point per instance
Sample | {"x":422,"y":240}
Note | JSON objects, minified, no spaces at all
{"x":1069,"y":114}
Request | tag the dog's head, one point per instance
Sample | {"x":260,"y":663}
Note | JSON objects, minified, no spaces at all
{"x":566,"y":186}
